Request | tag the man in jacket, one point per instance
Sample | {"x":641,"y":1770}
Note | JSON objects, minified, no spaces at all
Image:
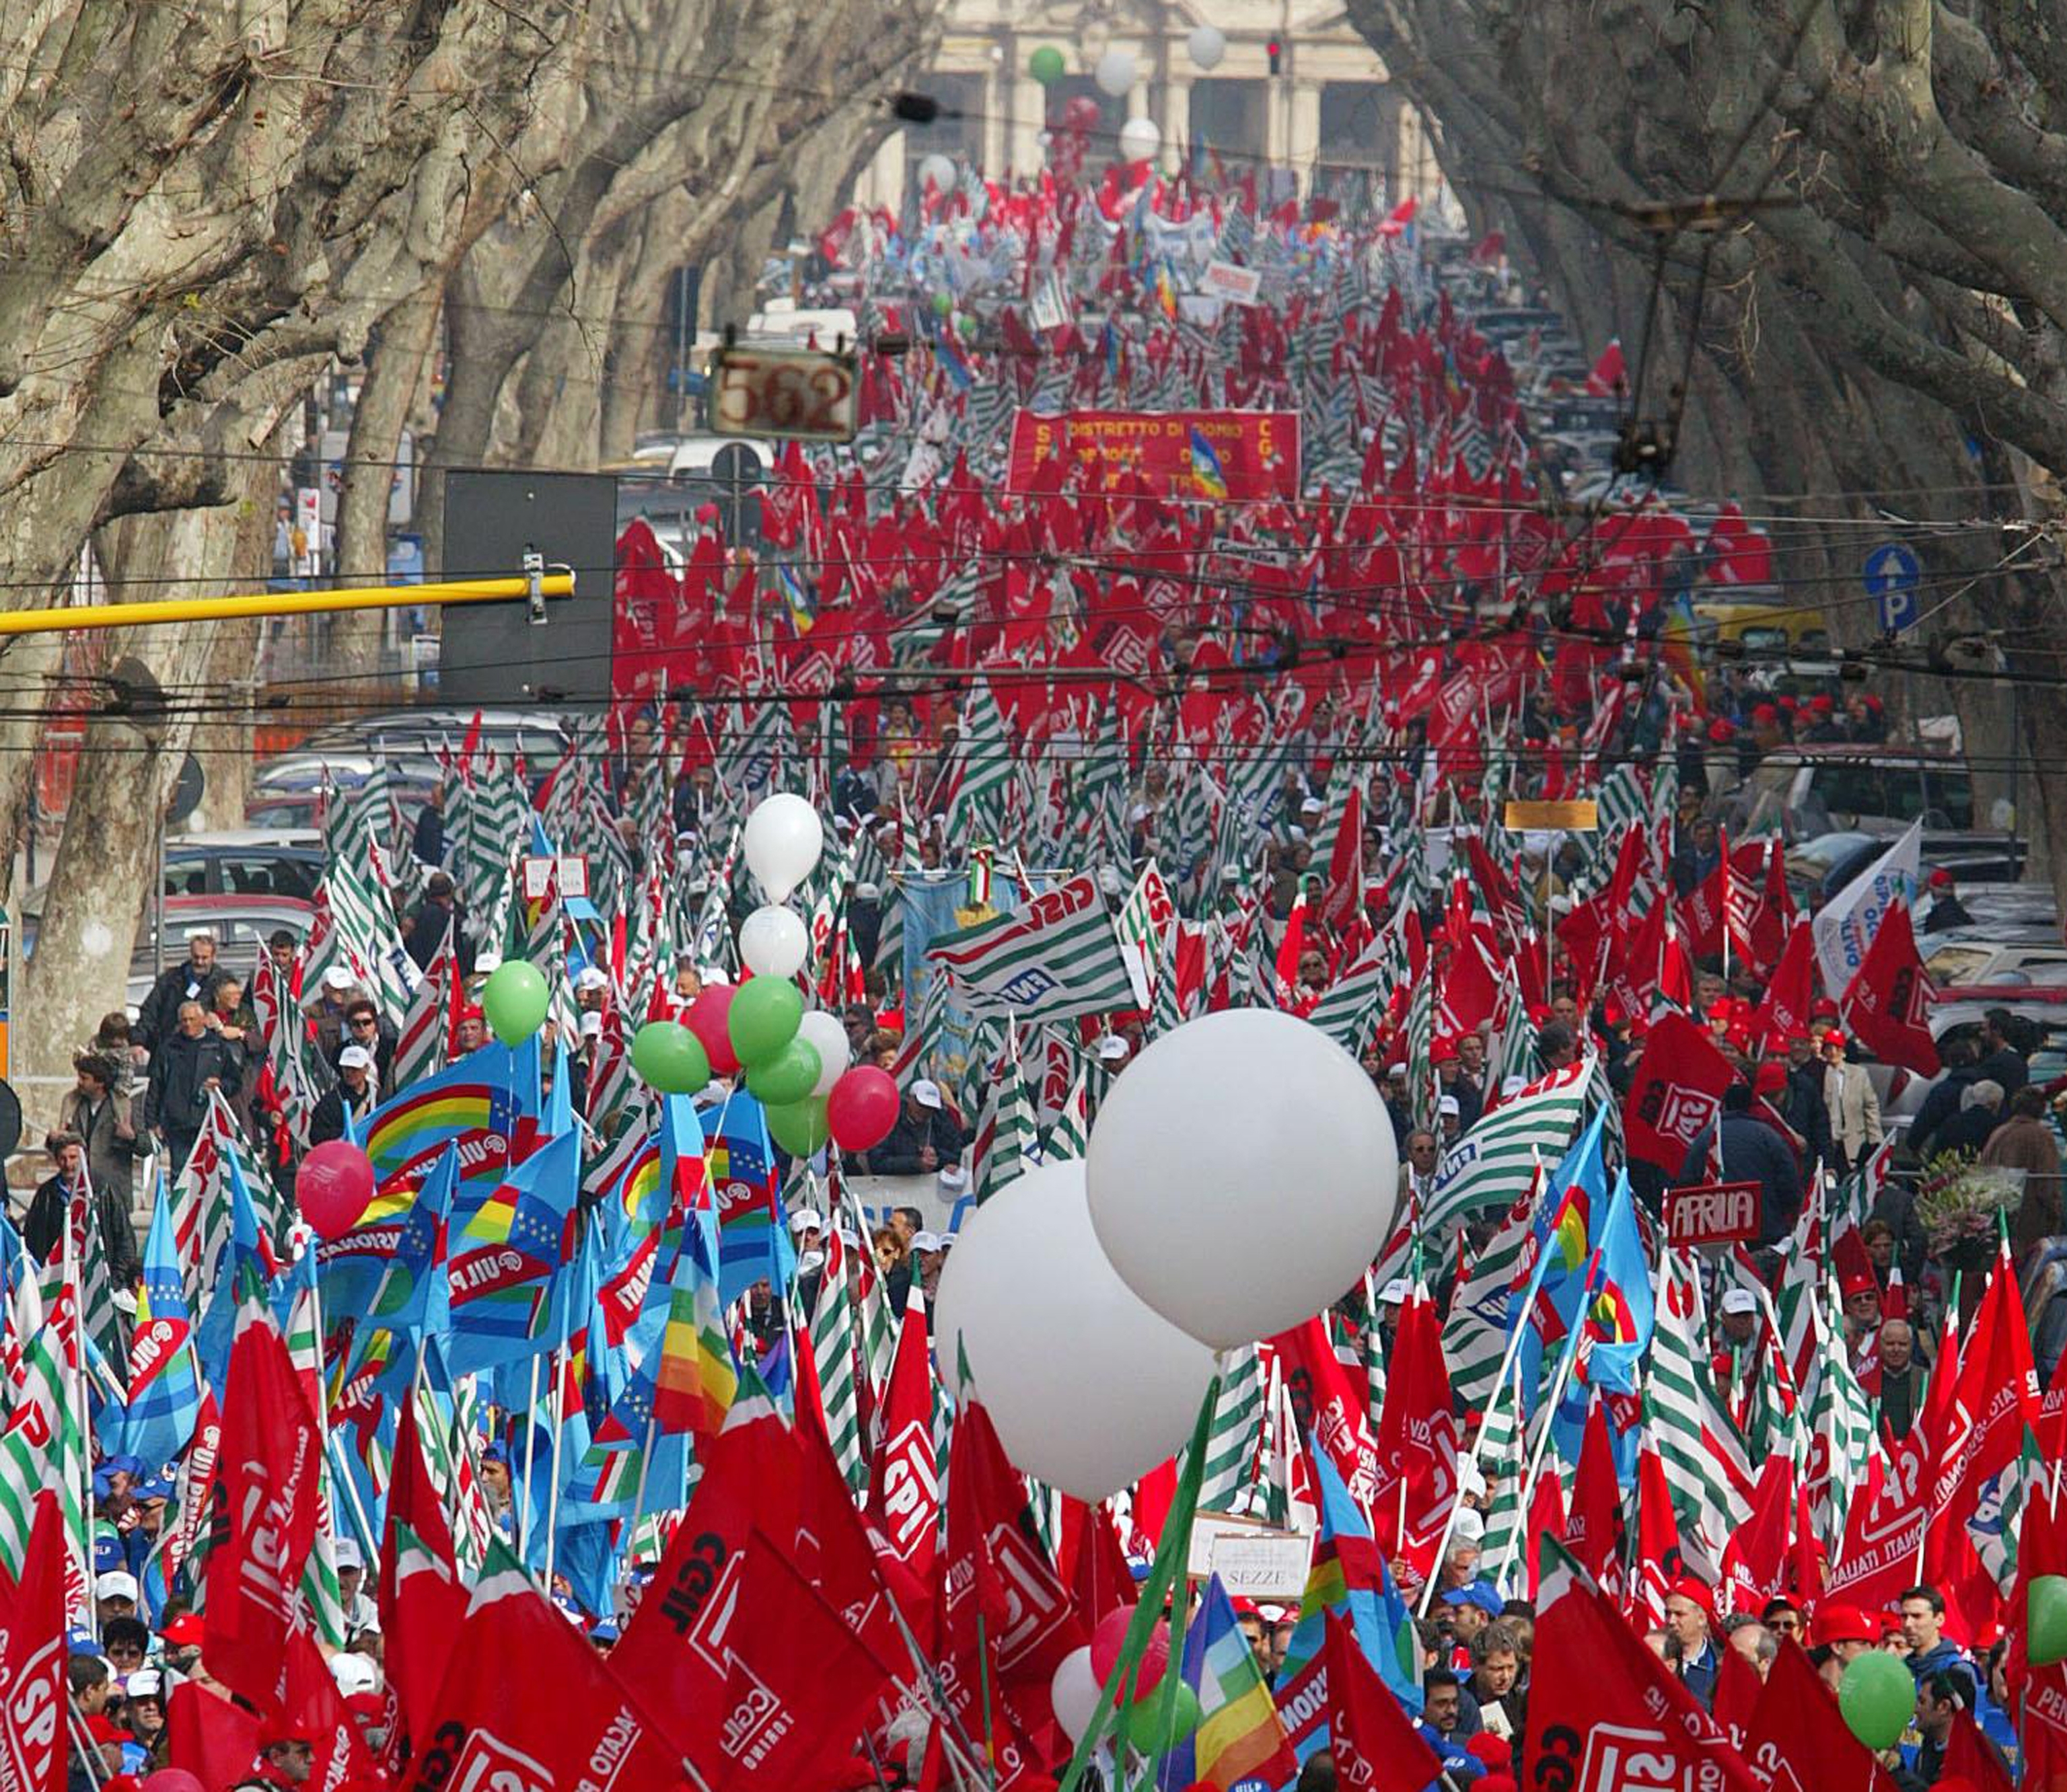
{"x":42,"y":1227}
{"x":365,"y":1027}
{"x":194,"y":981}
{"x":2025,"y":1141}
{"x":185,"y":1070}
{"x":352,"y":1093}
{"x":435,"y":916}
{"x":1752,"y":1152}
{"x":926,"y":1137}
{"x":1854,"y":1109}
{"x":99,"y":1112}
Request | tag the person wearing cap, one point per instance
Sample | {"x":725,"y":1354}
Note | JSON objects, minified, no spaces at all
{"x":929,"y":1250}
{"x":1784,"y":1618}
{"x":1391,"y":1302}
{"x":1690,"y":1646}
{"x":1946,"y":911}
{"x":286,"y":1753}
{"x":359,"y":1611}
{"x":353,"y":1093}
{"x":179,"y":1639}
{"x":1854,"y":1109}
{"x":925,"y":1139}
{"x":187,"y":1068}
{"x":591,"y":990}
{"x":365,"y":1026}
{"x":1844,"y":1630}
{"x":43,"y":1223}
{"x":192,"y":980}
{"x":1735,"y":1358}
{"x":325,"y":1012}
{"x":144,"y":1699}
{"x":471,"y":1030}
{"x":115,"y":1594}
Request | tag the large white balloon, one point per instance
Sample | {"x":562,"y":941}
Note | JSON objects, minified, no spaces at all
{"x":774,"y":940}
{"x":939,"y":171}
{"x":1073,"y":1690}
{"x":1208,"y":45}
{"x":824,"y":1034}
{"x":1139,"y":139}
{"x":1089,"y":1389}
{"x":1114,"y":73}
{"x":784,"y":838}
{"x":1242,"y":1174}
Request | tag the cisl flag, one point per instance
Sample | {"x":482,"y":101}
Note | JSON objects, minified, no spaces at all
{"x":1676,"y":1094}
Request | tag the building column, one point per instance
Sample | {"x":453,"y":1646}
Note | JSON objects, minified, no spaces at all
{"x":1176,"y":123}
{"x":1030,"y":118}
{"x":1303,"y":146}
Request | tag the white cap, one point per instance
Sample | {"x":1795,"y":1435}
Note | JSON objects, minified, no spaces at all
{"x":345,"y":1554}
{"x":925,"y":1241}
{"x":1470,"y":1478}
{"x":145,"y":1683}
{"x":1739,"y":1300}
{"x":588,"y":977}
{"x":1470,"y":1528}
{"x":591,"y":1023}
{"x":1394,"y":1293}
{"x":115,"y":1584}
{"x":354,"y":1674}
{"x":1449,"y":1105}
{"x":807,"y":1220}
{"x":1139,"y":813}
{"x":1512,"y":1085}
{"x":952,"y":1179}
{"x":867,"y":893}
{"x":355,"y":1057}
{"x":926,"y":1092}
{"x":337,"y":977}
{"x":1111,"y":1047}
{"x":1312,"y":805}
{"x":1108,"y":880}
{"x":1395,"y":1070}
{"x":1296,"y":835}
{"x":810,"y":1263}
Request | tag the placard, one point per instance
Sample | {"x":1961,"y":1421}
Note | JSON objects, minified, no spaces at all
{"x":1254,"y":1560}
{"x":1712,"y":1212}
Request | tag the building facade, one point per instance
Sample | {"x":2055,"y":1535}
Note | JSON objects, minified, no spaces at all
{"x":1297,"y":97}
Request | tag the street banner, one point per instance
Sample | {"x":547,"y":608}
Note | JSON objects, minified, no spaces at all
{"x":1240,"y":455}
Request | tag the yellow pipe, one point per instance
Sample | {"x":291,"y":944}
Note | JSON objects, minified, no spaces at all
{"x":281,"y":603}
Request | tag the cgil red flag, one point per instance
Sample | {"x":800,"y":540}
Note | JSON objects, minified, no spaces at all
{"x":1792,"y":992}
{"x":1593,"y":1529}
{"x":1375,"y":1749}
{"x":1676,"y":1094}
{"x":1797,"y":1738}
{"x":262,"y":1523}
{"x":1887,"y":1002}
{"x":1755,"y":1558}
{"x":422,"y":1600}
{"x":1328,"y":1409}
{"x":213,"y":1738}
{"x":905,"y":1495}
{"x":1417,"y":1444}
{"x":34,"y":1695}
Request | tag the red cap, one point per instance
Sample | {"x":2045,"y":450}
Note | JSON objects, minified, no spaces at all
{"x":183,"y":1632}
{"x":1834,"y":1037}
{"x":1770,"y":1079}
{"x":1940,"y":877}
{"x":101,"y":1728}
{"x":1720,"y":731}
{"x":1495,"y":1751}
{"x":1765,"y":712}
{"x":1687,"y":1587}
{"x":1824,"y":1009}
{"x":1843,"y":1623}
{"x":371,"y":1705}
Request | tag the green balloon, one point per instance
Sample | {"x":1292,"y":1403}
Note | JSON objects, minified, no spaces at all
{"x":788,"y":1076}
{"x":764,"y":1013}
{"x":670,"y":1057}
{"x":1878,"y":1697}
{"x":799,"y":1127}
{"x":942,"y":303}
{"x":1046,"y":66}
{"x":2045,"y":1621}
{"x":1148,"y":1723}
{"x":513,"y":1001}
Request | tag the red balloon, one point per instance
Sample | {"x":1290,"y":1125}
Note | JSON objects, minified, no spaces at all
{"x":861,"y":1108}
{"x":709,"y":1018}
{"x":333,"y":1187}
{"x":1106,"y":1641}
{"x":1081,"y":113}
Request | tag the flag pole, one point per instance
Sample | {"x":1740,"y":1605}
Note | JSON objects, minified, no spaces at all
{"x":360,"y":1523}
{"x":72,"y":1366}
{"x":1564,"y":1369}
{"x":531,"y":1454}
{"x":1507,"y":1367}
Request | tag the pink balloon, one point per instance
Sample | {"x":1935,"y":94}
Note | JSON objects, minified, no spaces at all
{"x":1112,"y":1632}
{"x":861,"y":1108}
{"x":172,"y":1779}
{"x":709,"y":1019}
{"x":334,"y":1186}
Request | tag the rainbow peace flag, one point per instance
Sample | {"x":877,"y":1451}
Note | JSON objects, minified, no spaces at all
{"x":1207,"y":474}
{"x":472,"y":1106}
{"x":1240,"y":1736}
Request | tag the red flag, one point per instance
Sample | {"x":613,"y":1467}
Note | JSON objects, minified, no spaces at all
{"x":526,"y":1702}
{"x":1658,"y":1558}
{"x":1417,"y":1443}
{"x":1675,"y":1095}
{"x":1792,"y":993}
{"x":1755,"y":1559}
{"x":1546,"y":1519}
{"x":1737,"y":1690}
{"x":1609,"y":375}
{"x":422,"y":1601}
{"x":1088,"y":1556}
{"x":1593,"y":1529}
{"x":751,"y":1477}
{"x":904,"y":1497}
{"x":316,"y":1710}
{"x":262,"y":1523}
{"x":1888,"y":1002}
{"x":1798,"y":1738}
{"x":212,"y":1738}
{"x":1884,"y":1529}
{"x":1969,"y":1756}
{"x":1376,"y":1750}
{"x":1600,"y":1702}
{"x":34,"y":1696}
{"x":1329,"y":1408}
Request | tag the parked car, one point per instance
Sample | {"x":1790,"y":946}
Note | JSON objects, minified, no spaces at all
{"x":1817,"y":868}
{"x":1817,"y":787}
{"x":241,"y":926}
{"x":1996,"y":954}
{"x":245,"y":862}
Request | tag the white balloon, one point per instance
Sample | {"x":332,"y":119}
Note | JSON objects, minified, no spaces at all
{"x":1242,"y":1174}
{"x":1139,"y":139}
{"x":784,"y":837}
{"x":1207,"y":46}
{"x":1089,"y":1389}
{"x":1114,"y":73}
{"x":824,"y":1035}
{"x":773,"y":940}
{"x":940,"y":170}
{"x":1073,"y":1690}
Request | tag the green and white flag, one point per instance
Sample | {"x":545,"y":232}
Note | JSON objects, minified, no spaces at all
{"x":1070,"y":1136}
{"x":1707,"y":1469}
{"x":1840,"y":1415}
{"x":42,"y":1447}
{"x":1053,"y":959}
{"x":1475,"y":1333}
{"x":983,"y":757}
{"x":836,"y":1336}
{"x":1492,"y":1165}
{"x":1237,"y":1437}
{"x":1145,"y":917}
{"x":1504,"y":1461}
{"x":1348,"y":1009}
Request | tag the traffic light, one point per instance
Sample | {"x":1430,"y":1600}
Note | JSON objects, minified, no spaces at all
{"x":1277,"y":52}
